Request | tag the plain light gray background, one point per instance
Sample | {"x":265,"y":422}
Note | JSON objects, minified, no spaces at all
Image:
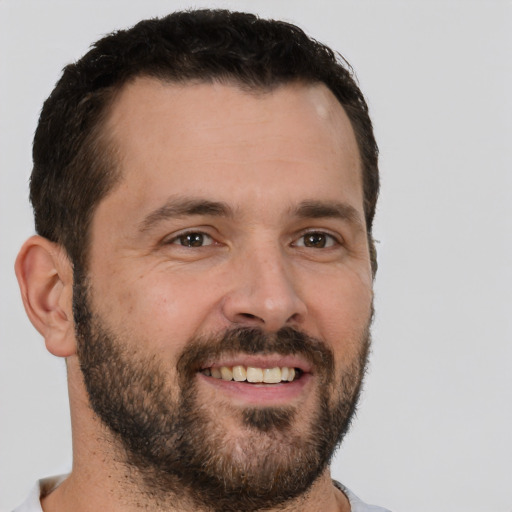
{"x":435,"y":422}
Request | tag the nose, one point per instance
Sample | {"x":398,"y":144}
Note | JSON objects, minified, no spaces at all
{"x":264,"y":293}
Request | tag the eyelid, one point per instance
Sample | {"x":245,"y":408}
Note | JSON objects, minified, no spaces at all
{"x":174,"y":238}
{"x":336,"y":237}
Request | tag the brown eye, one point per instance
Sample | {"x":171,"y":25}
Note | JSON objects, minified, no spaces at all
{"x":316,"y":240}
{"x":193,"y":239}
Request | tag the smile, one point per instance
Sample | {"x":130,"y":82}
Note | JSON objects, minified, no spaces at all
{"x":253,"y":374}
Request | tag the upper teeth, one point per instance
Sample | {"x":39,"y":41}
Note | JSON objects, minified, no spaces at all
{"x":252,"y":374}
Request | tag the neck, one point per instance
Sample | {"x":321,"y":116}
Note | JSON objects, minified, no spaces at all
{"x":91,"y":492}
{"x":102,"y":480}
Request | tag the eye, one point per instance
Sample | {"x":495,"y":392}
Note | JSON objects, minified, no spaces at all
{"x":316,"y":240}
{"x":193,"y":239}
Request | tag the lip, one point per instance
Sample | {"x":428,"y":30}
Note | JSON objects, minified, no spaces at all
{"x":244,"y":393}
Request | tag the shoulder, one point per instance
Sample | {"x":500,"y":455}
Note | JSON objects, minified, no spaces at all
{"x":42,"y":488}
{"x":356,"y":504}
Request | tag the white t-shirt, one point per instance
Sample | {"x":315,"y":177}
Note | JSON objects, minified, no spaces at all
{"x":47,"y":485}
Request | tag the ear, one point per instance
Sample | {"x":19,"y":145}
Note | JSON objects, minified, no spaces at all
{"x":45,"y":277}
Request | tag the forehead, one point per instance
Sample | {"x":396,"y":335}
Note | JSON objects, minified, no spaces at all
{"x":189,"y":138}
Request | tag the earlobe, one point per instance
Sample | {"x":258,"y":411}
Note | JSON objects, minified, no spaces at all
{"x":45,"y":277}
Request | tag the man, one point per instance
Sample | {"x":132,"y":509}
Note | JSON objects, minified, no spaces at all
{"x":204,"y":187}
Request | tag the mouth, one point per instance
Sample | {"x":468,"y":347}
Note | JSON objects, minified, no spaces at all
{"x":259,"y":380}
{"x":254,"y":374}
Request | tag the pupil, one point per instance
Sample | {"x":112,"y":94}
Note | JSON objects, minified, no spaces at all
{"x":193,"y":240}
{"x":315,"y":240}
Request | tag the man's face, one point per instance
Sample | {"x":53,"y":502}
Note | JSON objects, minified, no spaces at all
{"x":235,"y":240}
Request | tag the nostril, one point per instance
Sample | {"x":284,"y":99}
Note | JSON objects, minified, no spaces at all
{"x":248,"y":316}
{"x":296,"y":317}
{"x":248,"y":319}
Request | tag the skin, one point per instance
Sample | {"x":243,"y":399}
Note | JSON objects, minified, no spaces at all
{"x":262,"y":155}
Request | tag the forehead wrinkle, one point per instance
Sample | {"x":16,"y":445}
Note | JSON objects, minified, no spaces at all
{"x":176,"y":207}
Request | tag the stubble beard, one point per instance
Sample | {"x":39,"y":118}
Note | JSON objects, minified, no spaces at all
{"x":177,"y":447}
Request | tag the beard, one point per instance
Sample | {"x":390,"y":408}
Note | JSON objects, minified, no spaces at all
{"x":175,"y":443}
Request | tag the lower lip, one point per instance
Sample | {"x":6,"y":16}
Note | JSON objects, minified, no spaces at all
{"x":260,"y":394}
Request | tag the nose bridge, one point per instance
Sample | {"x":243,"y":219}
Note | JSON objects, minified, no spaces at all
{"x":264,"y":292}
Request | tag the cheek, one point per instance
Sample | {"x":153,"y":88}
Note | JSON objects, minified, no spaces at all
{"x":343,"y":312}
{"x":156,"y":310}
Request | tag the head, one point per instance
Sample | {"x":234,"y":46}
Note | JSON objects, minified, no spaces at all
{"x":211,"y":179}
{"x":75,"y":162}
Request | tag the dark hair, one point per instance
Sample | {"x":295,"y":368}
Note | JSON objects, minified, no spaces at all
{"x":74,"y":164}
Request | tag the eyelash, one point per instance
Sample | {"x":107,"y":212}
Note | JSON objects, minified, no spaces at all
{"x":330,"y":239}
{"x":182,"y":236}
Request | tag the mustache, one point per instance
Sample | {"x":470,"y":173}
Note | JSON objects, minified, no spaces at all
{"x":252,"y":341}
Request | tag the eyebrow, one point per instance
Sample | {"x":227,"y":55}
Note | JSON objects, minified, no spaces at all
{"x":184,"y":207}
{"x":328,"y":209}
